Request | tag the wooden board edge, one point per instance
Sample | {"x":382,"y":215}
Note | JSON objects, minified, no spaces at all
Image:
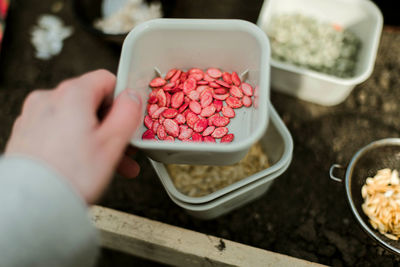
{"x":177,"y":246}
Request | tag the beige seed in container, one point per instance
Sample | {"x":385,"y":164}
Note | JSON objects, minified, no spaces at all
{"x":381,"y":195}
{"x":200,"y":180}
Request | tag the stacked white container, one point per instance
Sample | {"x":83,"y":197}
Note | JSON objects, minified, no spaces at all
{"x":277,"y":143}
{"x":362,"y":17}
{"x":232,"y":45}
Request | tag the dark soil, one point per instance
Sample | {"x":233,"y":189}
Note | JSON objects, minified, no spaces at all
{"x":304,"y":214}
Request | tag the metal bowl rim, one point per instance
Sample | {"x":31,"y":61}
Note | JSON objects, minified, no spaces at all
{"x":349,"y":171}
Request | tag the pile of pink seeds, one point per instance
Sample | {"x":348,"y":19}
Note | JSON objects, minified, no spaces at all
{"x":195,"y":106}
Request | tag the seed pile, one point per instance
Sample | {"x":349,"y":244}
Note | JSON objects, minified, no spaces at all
{"x":48,"y":36}
{"x":129,"y":14}
{"x":316,"y":45}
{"x":201,"y":180}
{"x":190,"y":106}
{"x":382,"y":202}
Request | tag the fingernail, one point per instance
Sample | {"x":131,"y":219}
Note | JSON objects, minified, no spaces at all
{"x":134,"y":96}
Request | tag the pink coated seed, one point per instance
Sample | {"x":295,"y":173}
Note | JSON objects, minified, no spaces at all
{"x":247,"y":89}
{"x":183,"y":107}
{"x":151,"y":109}
{"x":195,"y":71}
{"x":168,"y":102}
{"x":148,"y":122}
{"x":177,"y":100}
{"x":221,"y":97}
{"x":157,"y":82}
{"x":169,"y":87}
{"x":200,"y":125}
{"x":183,"y":77}
{"x":191,"y":119}
{"x":219,"y":132}
{"x":202,"y":82}
{"x":206,"y":99}
{"x":228,"y":112}
{"x":180,"y":119}
{"x":208,"y":78}
{"x":211,"y":119}
{"x":170,"y":73}
{"x":214,"y":85}
{"x":170,"y":113}
{"x":235,"y":79}
{"x":234,"y":102}
{"x":227,"y":138}
{"x":161,"y":132}
{"x":236,"y":91}
{"x":208,"y":111}
{"x":185,"y":132}
{"x":220,"y":91}
{"x":169,"y":138}
{"x":246,"y":101}
{"x":222,"y":83}
{"x":176,"y":76}
{"x":194,"y":95}
{"x":148,"y":135}
{"x":186,"y":112}
{"x":220,"y":121}
{"x":196,"y":137}
{"x":209,"y":130}
{"x":196,"y":76}
{"x":189,"y":85}
{"x":208,"y":90}
{"x":226,"y":77}
{"x":195,"y":107}
{"x":214,"y":73}
{"x":218,"y":104}
{"x":161,"y":119}
{"x":155,"y":126}
{"x":162,"y":98}
{"x":152,"y":99}
{"x":158,"y":112}
{"x":201,"y":88}
{"x":208,"y":139}
{"x":171,"y":127}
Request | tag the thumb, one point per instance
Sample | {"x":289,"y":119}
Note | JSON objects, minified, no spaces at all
{"x":121,"y":121}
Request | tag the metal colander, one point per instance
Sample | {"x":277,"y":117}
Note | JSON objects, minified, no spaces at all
{"x":381,"y":154}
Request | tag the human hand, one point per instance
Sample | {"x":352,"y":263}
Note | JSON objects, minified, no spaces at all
{"x":62,"y":127}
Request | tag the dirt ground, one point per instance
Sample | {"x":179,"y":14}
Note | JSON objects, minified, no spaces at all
{"x":304,"y":214}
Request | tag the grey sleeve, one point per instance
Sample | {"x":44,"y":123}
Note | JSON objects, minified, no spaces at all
{"x":43,"y":221}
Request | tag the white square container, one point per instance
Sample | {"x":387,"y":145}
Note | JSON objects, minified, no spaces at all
{"x":362,"y":17}
{"x":231,"y":45}
{"x":277,"y":143}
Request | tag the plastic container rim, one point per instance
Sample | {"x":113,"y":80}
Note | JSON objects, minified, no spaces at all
{"x":285,"y":158}
{"x":348,"y":175}
{"x":331,"y":78}
{"x":218,"y":201}
{"x":203,"y":24}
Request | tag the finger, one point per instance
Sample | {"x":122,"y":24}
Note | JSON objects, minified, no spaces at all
{"x":97,"y":85}
{"x":128,"y":168}
{"x":119,"y":125}
{"x":130,"y":150}
{"x":102,"y":84}
{"x":33,"y":99}
{"x":14,"y":129}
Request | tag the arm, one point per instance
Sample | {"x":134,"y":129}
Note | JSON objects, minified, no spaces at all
{"x":59,"y":158}
{"x":43,"y":221}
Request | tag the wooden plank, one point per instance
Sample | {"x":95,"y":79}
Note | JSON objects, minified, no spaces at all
{"x":177,"y":246}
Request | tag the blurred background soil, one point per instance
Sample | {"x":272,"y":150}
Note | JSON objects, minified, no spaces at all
{"x":304,"y":214}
